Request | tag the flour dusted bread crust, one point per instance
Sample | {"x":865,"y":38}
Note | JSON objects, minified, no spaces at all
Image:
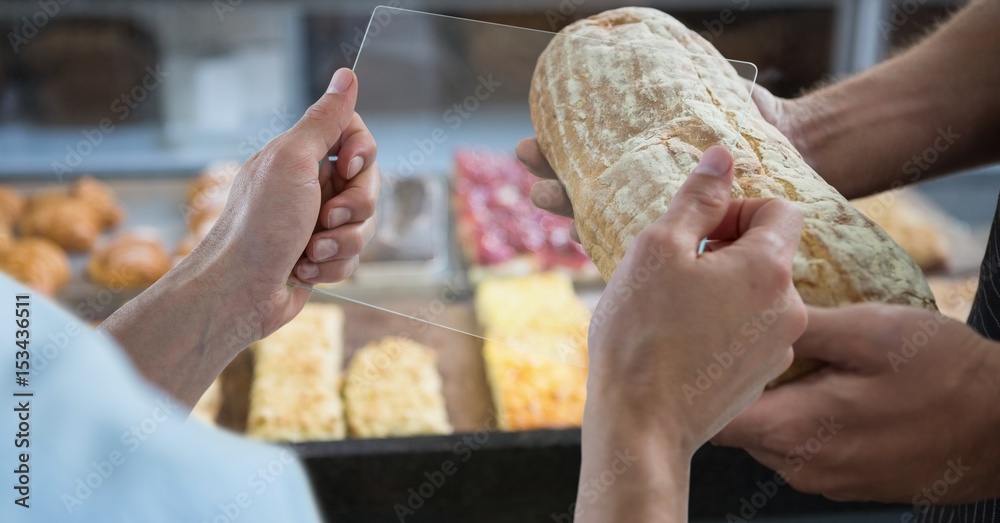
{"x":623,"y":127}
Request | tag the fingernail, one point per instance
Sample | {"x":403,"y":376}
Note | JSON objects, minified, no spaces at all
{"x":341,"y":81}
{"x":338,"y":217}
{"x":715,"y":162}
{"x":308,"y":271}
{"x":355,"y":166}
{"x":325,"y":249}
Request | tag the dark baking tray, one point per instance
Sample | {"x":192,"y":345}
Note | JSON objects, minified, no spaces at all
{"x":527,"y":476}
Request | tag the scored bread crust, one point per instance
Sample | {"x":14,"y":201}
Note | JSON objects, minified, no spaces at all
{"x":623,"y":124}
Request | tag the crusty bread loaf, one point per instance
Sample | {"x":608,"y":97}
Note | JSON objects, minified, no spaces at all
{"x":623,"y":125}
{"x":624,"y":129}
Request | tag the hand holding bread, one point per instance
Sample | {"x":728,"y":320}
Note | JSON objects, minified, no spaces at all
{"x":623,"y":159}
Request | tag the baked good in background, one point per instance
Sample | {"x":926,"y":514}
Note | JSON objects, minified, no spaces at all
{"x":499,"y":230}
{"x":205,"y":199}
{"x":532,"y":383}
{"x":69,"y":222}
{"x":133,"y":260}
{"x":392,"y":388}
{"x":623,"y":130}
{"x":37,"y":263}
{"x":535,"y":350}
{"x":11,"y":206}
{"x":955,"y":295}
{"x":100,"y":198}
{"x":73,"y":218}
{"x":295,"y":392}
{"x":6,"y":238}
{"x":210,"y":403}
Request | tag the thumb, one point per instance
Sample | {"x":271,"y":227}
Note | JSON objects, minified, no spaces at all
{"x":702,"y":202}
{"x":321,"y":127}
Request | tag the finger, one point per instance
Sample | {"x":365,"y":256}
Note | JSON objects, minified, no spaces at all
{"x":550,"y":195}
{"x":702,"y":202}
{"x":773,"y":410}
{"x":356,"y":203}
{"x":357,"y":149}
{"x":530,"y":155}
{"x":321,"y":128}
{"x":327,"y":272}
{"x":774,"y":226}
{"x":346,"y":241}
{"x":844,"y":336}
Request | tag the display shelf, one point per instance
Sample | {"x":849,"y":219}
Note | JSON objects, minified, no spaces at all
{"x":140,"y":149}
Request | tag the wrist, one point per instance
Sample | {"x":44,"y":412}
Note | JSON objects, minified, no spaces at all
{"x":635,"y":466}
{"x":208,"y":286}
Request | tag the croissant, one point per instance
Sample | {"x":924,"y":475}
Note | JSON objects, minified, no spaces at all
{"x":11,"y":206}
{"x":100,"y":198}
{"x":38,"y":263}
{"x":67,"y":221}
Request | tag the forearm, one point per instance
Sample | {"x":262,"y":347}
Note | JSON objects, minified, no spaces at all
{"x":182,"y":332}
{"x":929,"y":111}
{"x":630,"y":470}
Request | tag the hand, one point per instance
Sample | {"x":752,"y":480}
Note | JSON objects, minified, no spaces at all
{"x":294,"y":214}
{"x":674,"y":351}
{"x":549,"y":194}
{"x":287,"y":204}
{"x":906,"y":411}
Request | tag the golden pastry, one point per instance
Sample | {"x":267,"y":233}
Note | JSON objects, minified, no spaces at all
{"x":295,"y":393}
{"x":38,"y":263}
{"x":536,"y":349}
{"x":6,"y":238}
{"x":99,"y":197}
{"x":11,"y":206}
{"x":67,"y":221}
{"x":130,"y":260}
{"x":207,"y":194}
{"x":393,"y":389}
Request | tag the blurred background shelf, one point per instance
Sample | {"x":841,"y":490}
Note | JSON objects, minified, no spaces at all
{"x":235,"y":76}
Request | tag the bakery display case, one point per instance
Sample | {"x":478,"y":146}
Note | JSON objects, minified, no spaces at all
{"x":92,"y":214}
